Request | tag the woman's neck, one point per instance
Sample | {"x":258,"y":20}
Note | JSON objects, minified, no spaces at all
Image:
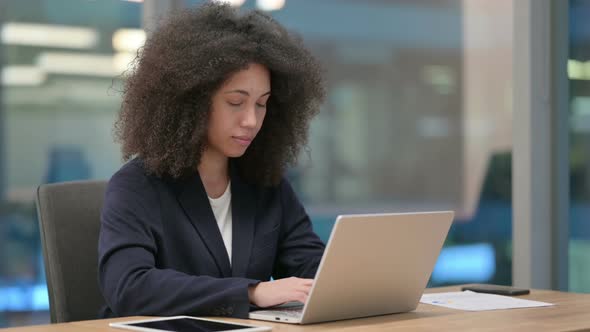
{"x":213,"y":171}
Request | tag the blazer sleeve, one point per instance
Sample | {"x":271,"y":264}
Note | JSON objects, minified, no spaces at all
{"x":300,"y":249}
{"x":128,"y":277}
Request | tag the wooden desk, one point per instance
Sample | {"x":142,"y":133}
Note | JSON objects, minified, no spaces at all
{"x":571,"y":312}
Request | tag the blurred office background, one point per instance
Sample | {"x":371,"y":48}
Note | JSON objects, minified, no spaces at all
{"x":418,"y":117}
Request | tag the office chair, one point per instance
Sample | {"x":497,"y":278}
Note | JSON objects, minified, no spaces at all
{"x":69,"y":220}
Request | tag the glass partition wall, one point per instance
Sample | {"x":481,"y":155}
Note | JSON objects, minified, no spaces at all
{"x":418,"y":117}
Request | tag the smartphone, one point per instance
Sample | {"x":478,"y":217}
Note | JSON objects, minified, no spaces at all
{"x":186,"y":324}
{"x":496,"y":289}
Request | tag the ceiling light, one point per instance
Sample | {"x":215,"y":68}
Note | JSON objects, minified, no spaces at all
{"x":128,"y":40}
{"x":48,"y":35}
{"x":122,"y":62}
{"x":575,"y":69}
{"x":22,"y":76}
{"x":270,"y":5}
{"x":77,"y":64}
{"x":234,"y":3}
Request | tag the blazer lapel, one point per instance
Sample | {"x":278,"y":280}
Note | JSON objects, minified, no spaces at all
{"x":243,"y":200}
{"x":194,"y":201}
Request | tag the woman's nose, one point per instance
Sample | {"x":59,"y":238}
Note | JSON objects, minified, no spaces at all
{"x":249,"y":117}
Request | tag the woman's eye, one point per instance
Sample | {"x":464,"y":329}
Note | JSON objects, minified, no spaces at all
{"x":260,"y":105}
{"x":234,"y":103}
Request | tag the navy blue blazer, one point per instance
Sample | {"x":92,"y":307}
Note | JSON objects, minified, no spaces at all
{"x":161,"y":252}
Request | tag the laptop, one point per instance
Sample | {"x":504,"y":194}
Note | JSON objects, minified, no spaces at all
{"x":374,"y":264}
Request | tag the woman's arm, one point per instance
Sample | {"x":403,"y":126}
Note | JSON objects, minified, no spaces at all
{"x":299,"y":253}
{"x":300,"y":249}
{"x":128,"y":278}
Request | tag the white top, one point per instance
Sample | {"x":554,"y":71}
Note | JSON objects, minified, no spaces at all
{"x":221,"y":207}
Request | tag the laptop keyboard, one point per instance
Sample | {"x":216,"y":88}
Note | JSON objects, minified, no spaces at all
{"x":289,"y":312}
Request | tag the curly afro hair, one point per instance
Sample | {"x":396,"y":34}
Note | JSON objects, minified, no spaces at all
{"x":167,"y":99}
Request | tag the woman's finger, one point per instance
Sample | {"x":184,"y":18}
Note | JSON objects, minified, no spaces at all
{"x":305,"y":289}
{"x":308,"y":282}
{"x":301,"y":297}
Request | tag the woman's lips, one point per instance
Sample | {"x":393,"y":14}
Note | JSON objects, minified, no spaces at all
{"x":242,"y":140}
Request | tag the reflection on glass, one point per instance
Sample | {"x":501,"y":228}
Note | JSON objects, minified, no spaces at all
{"x":59,"y":75}
{"x":579,"y":73}
{"x":418,"y":117}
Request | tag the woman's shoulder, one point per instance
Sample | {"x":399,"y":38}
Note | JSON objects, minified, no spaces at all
{"x":131,"y":191}
{"x":133,"y":176}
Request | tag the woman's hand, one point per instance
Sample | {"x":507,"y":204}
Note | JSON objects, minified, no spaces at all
{"x":270,"y":293}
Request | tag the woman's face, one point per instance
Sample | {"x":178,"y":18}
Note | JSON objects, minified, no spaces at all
{"x":238,"y":110}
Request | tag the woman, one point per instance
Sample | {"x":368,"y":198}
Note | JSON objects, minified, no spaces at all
{"x":201,"y":218}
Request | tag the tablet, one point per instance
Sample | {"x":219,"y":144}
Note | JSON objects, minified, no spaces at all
{"x":186,"y":324}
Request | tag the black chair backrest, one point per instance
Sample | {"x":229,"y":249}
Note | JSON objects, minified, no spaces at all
{"x":69,"y":220}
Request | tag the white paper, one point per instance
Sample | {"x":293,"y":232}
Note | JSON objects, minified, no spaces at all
{"x":473,"y":301}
